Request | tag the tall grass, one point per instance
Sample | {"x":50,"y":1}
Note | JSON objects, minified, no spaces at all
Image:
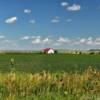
{"x":50,"y":86}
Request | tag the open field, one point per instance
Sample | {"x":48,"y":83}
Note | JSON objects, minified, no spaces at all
{"x":54,"y":63}
{"x":49,"y":77}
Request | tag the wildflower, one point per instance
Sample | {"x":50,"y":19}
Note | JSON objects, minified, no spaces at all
{"x":12,"y":62}
{"x":65,"y":92}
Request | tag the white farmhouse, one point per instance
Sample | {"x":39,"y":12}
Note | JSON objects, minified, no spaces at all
{"x":49,"y":51}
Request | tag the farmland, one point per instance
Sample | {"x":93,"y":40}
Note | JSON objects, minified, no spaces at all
{"x":31,"y":62}
{"x":49,"y":77}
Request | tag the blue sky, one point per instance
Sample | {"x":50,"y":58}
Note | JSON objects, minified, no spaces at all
{"x":37,"y":24}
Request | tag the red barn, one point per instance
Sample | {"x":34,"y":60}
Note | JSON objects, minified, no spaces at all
{"x":48,"y":51}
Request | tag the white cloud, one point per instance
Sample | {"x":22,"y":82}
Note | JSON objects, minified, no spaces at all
{"x":32,"y":21}
{"x":64,"y":4}
{"x":56,"y":19}
{"x":90,"y":38}
{"x":36,"y":41}
{"x":82,"y":40}
{"x":69,"y":20}
{"x":86,"y":41}
{"x":25,"y":38}
{"x":63,"y":40}
{"x":8,"y":44}
{"x":97,"y":39}
{"x":46,"y":41}
{"x":27,"y":11}
{"x":90,"y":42}
{"x":11,"y":20}
{"x":2,"y":36}
{"x":96,"y":43}
{"x":41,"y":40}
{"x":74,"y":7}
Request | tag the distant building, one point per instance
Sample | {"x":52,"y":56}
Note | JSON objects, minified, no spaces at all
{"x":49,"y":51}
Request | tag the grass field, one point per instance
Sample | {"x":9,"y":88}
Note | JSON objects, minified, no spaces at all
{"x":54,"y":63}
{"x":49,"y":77}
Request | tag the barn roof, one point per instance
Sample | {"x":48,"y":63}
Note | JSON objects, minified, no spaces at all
{"x":47,"y":49}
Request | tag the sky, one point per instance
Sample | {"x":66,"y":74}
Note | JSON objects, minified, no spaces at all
{"x":59,"y":24}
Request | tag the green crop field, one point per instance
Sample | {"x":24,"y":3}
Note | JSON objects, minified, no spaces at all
{"x":49,"y":77}
{"x":54,"y":63}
